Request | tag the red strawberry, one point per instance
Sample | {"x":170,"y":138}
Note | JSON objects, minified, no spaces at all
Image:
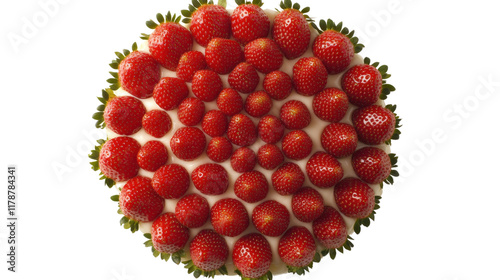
{"x":309,"y":76}
{"x":229,"y":217}
{"x":138,"y":74}
{"x":264,"y":55}
{"x":288,"y":178}
{"x":191,"y":111}
{"x":219,"y":149}
{"x":330,"y":228}
{"x":171,"y":181}
{"x":249,"y":22}
{"x":206,"y":85}
{"x":170,"y":92}
{"x":334,"y":49}
{"x":269,"y":156}
{"x":118,"y":158}
{"x":297,"y":145}
{"x":244,"y":78}
{"x":339,"y":139}
{"x":192,"y":210}
{"x":278,"y":85}
{"x":208,"y":21}
{"x":208,"y":250}
{"x":371,"y":164}
{"x":330,"y":105}
{"x":152,"y":156}
{"x":252,"y":255}
{"x":295,"y":115}
{"x":123,"y":115}
{"x":297,"y":247}
{"x":139,"y":201}
{"x":188,"y":143}
{"x":271,"y":129}
{"x":229,"y":102}
{"x":214,"y":123}
{"x":189,"y":63}
{"x":354,"y":198}
{"x":271,"y":218}
{"x":223,"y":55}
{"x":241,"y":130}
{"x":307,"y":204}
{"x":362,"y":84}
{"x":291,"y":31}
{"x":251,"y":187}
{"x":316,"y":166}
{"x":210,"y":179}
{"x":243,"y":160}
{"x":157,"y":123}
{"x":374,"y":124}
{"x":258,"y":104}
{"x":168,"y":235}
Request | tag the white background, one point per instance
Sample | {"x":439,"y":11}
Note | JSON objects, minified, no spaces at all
{"x":439,"y":221}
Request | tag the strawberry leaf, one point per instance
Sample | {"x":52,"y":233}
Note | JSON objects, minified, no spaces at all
{"x":222,"y":3}
{"x":366,"y":221}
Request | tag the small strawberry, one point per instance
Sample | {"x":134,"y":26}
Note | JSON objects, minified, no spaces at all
{"x":229,"y":102}
{"x":258,"y":104}
{"x":295,"y":115}
{"x":307,"y":204}
{"x":219,"y":149}
{"x":192,"y":210}
{"x":168,"y":235}
{"x":297,"y":248}
{"x":243,"y":160}
{"x":271,"y":129}
{"x":223,"y":55}
{"x":206,"y":85}
{"x":152,"y":156}
{"x":188,"y":143}
{"x":374,"y":124}
{"x":139,"y":201}
{"x":264,"y":54}
{"x":123,"y":115}
{"x":362,"y":84}
{"x":291,"y":30}
{"x":118,"y":158}
{"x":214,"y":123}
{"x":251,"y":186}
{"x":242,"y":130}
{"x":309,"y":76}
{"x":297,"y":145}
{"x":339,"y":139}
{"x":330,"y":105}
{"x":252,"y":255}
{"x":278,"y":85}
{"x":244,"y":78}
{"x":208,"y":251}
{"x":189,"y":63}
{"x":354,"y":198}
{"x":316,"y":166}
{"x":208,"y":21}
{"x":271,"y":218}
{"x":157,"y":123}
{"x":249,"y":22}
{"x":330,"y":228}
{"x":229,"y":217}
{"x":191,"y":111}
{"x":371,"y":164}
{"x":170,"y":92}
{"x":210,"y":179}
{"x":269,"y":156}
{"x":288,"y":178}
{"x":171,"y":181}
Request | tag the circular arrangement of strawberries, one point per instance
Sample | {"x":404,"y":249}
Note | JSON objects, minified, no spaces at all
{"x":250,"y":142}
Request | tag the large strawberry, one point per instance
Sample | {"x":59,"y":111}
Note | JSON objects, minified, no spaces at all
{"x":208,"y":21}
{"x":339,"y":139}
{"x":242,"y":130}
{"x":152,"y":155}
{"x":139,"y":201}
{"x":229,"y":217}
{"x":330,"y":228}
{"x":354,"y":198}
{"x":192,"y":210}
{"x":168,"y":235}
{"x":252,"y":256}
{"x":170,"y":92}
{"x":123,"y":115}
{"x":243,"y":160}
{"x":271,"y":218}
{"x":309,"y":76}
{"x":209,"y":252}
{"x":188,"y":143}
{"x":171,"y":181}
{"x":330,"y":104}
{"x":371,"y":164}
{"x":223,"y":55}
{"x":210,"y":179}
{"x":297,"y":248}
{"x":317,"y":164}
{"x":288,"y":178}
{"x":251,"y":186}
{"x":118,"y":158}
{"x":249,"y":21}
{"x":307,"y":204}
{"x":264,"y":54}
{"x":157,"y":123}
{"x":291,"y":30}
{"x":374,"y":124}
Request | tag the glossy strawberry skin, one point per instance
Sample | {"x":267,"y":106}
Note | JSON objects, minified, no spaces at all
{"x":258,"y":104}
{"x":191,"y":111}
{"x":170,"y":92}
{"x":374,"y":124}
{"x":176,"y":37}
{"x":271,"y":129}
{"x":241,"y":130}
{"x":139,"y":201}
{"x":297,"y":247}
{"x":118,"y":158}
{"x":297,"y":145}
{"x":214,"y":123}
{"x":330,"y":228}
{"x":152,"y":156}
{"x":307,"y":204}
{"x":138,"y":74}
{"x":339,"y":139}
{"x":223,"y":55}
{"x":334,"y":49}
{"x":330,"y":104}
{"x":278,"y":85}
{"x":317,"y":164}
{"x":264,"y":55}
{"x":123,"y":115}
{"x":243,"y":160}
{"x":208,"y":22}
{"x":208,"y":250}
{"x":309,"y":76}
{"x":168,"y":235}
{"x":288,"y":178}
{"x":249,"y":22}
{"x":171,"y":181}
{"x":291,"y":32}
{"x":269,"y":156}
{"x":244,"y":78}
{"x":210,"y":179}
{"x":271,"y":218}
{"x":371,"y":164}
{"x":157,"y":123}
{"x":188,"y":143}
{"x":251,"y":186}
{"x":189,"y":63}
{"x":362,"y":84}
{"x":252,"y":255}
{"x":206,"y":85}
{"x":219,"y":149}
{"x":229,"y":217}
{"x":230,"y":102}
{"x":295,"y":115}
{"x":354,"y":198}
{"x":192,"y":210}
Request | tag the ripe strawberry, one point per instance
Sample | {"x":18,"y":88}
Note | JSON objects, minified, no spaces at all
{"x":123,"y":115}
{"x":208,"y":250}
{"x":242,"y":130}
{"x":291,"y":30}
{"x":258,"y":104}
{"x":278,"y":85}
{"x":244,"y":78}
{"x":171,"y":181}
{"x":168,"y":235}
{"x":219,"y":149}
{"x":269,"y":156}
{"x":252,"y":255}
{"x":170,"y":92}
{"x":206,"y":85}
{"x":189,"y":63}
{"x":152,"y":156}
{"x":307,"y":204}
{"x":192,"y":210}
{"x":251,"y":186}
{"x":191,"y":111}
{"x":138,"y":74}
{"x":243,"y":160}
{"x":210,"y":179}
{"x":249,"y":22}
{"x":354,"y":198}
{"x":139,"y":201}
{"x":297,"y":145}
{"x":264,"y":54}
{"x":371,"y":164}
{"x":157,"y":123}
{"x":362,"y":84}
{"x":374,"y":124}
{"x":223,"y":55}
{"x":330,"y":105}
{"x":229,"y":102}
{"x":118,"y":158}
{"x":316,"y":166}
{"x":188,"y":143}
{"x":295,"y":115}
{"x":229,"y":217}
{"x":339,"y":139}
{"x":288,"y":178}
{"x":271,"y":129}
{"x":330,"y":228}
{"x":309,"y":76}
{"x":214,"y":123}
{"x":297,"y":247}
{"x":334,"y":49}
{"x":271,"y":218}
{"x":208,"y":21}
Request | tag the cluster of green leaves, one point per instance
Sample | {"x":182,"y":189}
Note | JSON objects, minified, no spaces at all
{"x":366,"y":221}
{"x":197,"y":272}
{"x":330,"y":25}
{"x":288,"y":4}
{"x":176,"y":257}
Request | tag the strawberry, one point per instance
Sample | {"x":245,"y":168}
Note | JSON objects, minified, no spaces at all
{"x":208,"y":251}
{"x":189,"y":63}
{"x":330,"y":228}
{"x":271,"y":129}
{"x":354,"y":198}
{"x":171,"y":181}
{"x":123,"y":115}
{"x":192,"y":210}
{"x":206,"y":85}
{"x":223,"y":55}
{"x":249,"y":22}
{"x":374,"y":124}
{"x":210,"y":179}
{"x":330,"y":105}
{"x":214,"y":123}
{"x":371,"y":164}
{"x":252,"y":255}
{"x":288,"y":178}
{"x":157,"y":123}
{"x":208,"y":21}
{"x":152,"y":156}
{"x":139,"y":201}
{"x":271,"y":218}
{"x":362,"y":84}
{"x":242,"y":130}
{"x":264,"y":54}
{"x":278,"y":85}
{"x":118,"y":158}
{"x":309,"y":76}
{"x":269,"y":156}
{"x":297,"y":248}
{"x":251,"y":186}
{"x":244,"y":78}
{"x":188,"y":143}
{"x":295,"y":115}
{"x":229,"y":102}
{"x":170,"y":92}
{"x":191,"y":111}
{"x":316,"y":166}
{"x":229,"y":217}
{"x":168,"y":235}
{"x":339,"y":139}
{"x":219,"y":149}
{"x":297,"y":145}
{"x":243,"y":160}
{"x":291,"y":30}
{"x":307,"y":204}
{"x":258,"y":104}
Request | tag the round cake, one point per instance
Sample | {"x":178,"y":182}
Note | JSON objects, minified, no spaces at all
{"x":247,"y":141}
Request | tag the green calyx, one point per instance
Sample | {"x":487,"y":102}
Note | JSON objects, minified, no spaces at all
{"x":245,"y":2}
{"x":397,"y":132}
{"x":195,"y":5}
{"x":176,"y":257}
{"x":267,"y":276}
{"x":94,"y":156}
{"x":107,"y":95}
{"x":386,"y":88}
{"x":288,"y":4}
{"x":197,"y":272}
{"x":114,"y":83}
{"x":126,"y":222}
{"x":161,"y":19}
{"x":394,"y":173}
{"x":303,"y":269}
{"x":333,"y":252}
{"x":330,"y":25}
{"x":366,"y":221}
